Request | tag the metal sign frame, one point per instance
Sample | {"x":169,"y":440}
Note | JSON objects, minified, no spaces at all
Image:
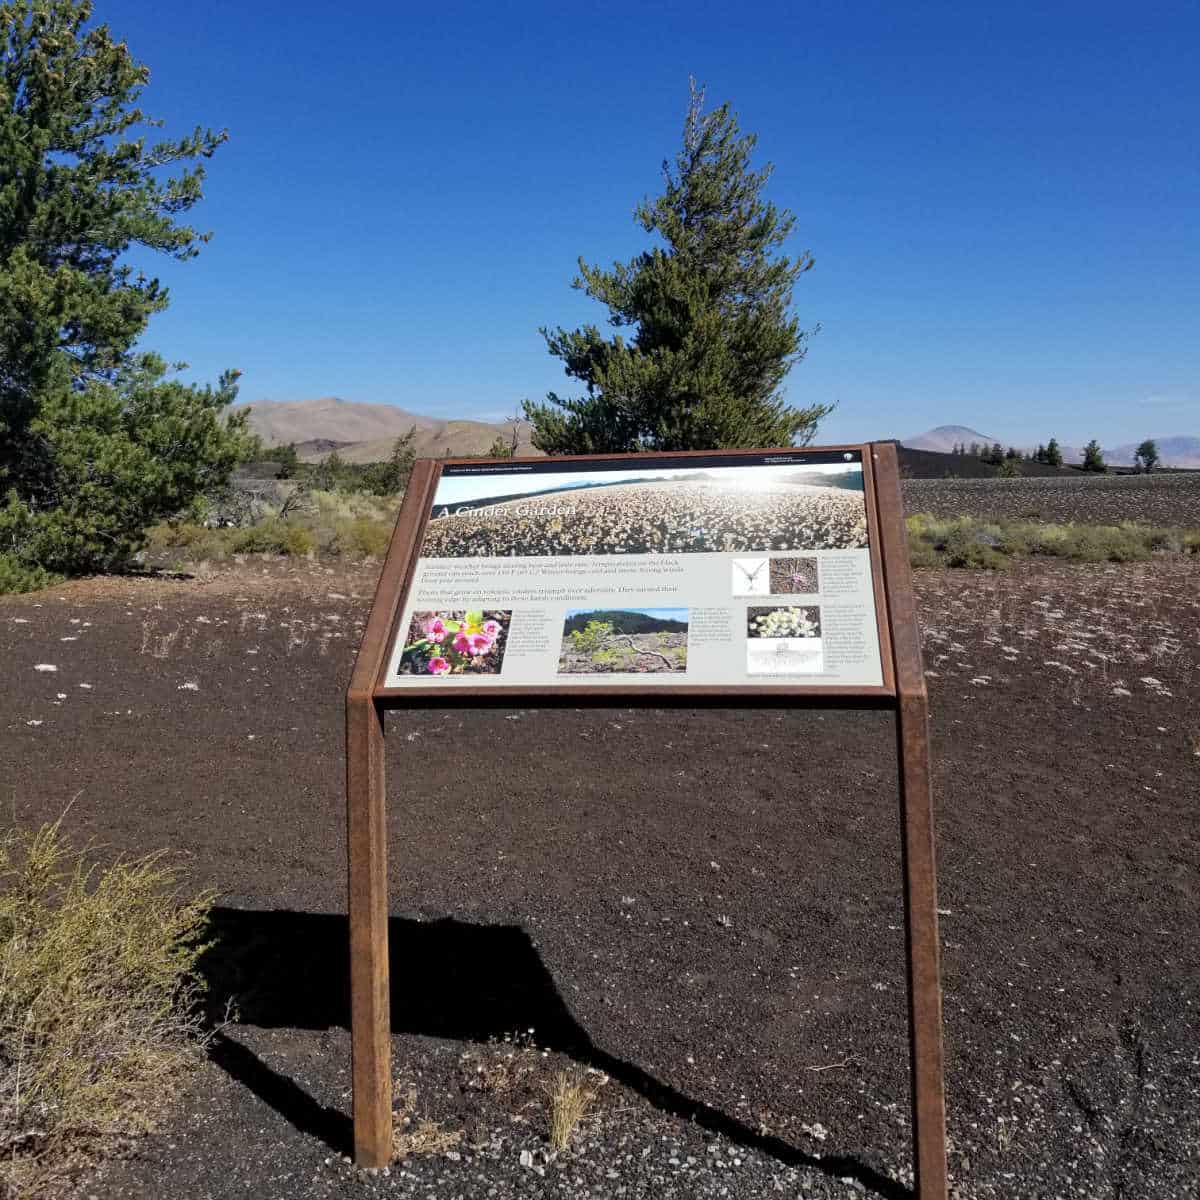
{"x":903,"y":689}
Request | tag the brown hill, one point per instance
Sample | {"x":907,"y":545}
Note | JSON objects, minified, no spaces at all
{"x":364,"y":433}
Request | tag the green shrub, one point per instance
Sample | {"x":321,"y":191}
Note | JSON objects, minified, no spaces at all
{"x":273,"y":537}
{"x":98,"y":1001}
{"x":922,"y":554}
{"x":364,"y":536}
{"x":198,"y":542}
{"x":970,"y":542}
{"x":15,"y":576}
{"x":591,"y":637}
{"x":965,"y":547}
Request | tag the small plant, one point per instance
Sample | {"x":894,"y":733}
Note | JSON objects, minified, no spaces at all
{"x":16,"y":576}
{"x":591,"y":637}
{"x":98,"y":1001}
{"x":417,"y":1137}
{"x":455,"y":643}
{"x":568,"y":1097}
{"x":790,"y":622}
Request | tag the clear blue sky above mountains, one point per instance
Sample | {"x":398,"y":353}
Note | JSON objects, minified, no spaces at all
{"x":1002,"y":205}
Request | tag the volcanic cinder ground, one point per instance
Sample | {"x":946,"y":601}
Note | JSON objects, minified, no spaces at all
{"x":701,"y":906}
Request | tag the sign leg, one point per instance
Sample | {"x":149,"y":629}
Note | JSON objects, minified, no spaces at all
{"x":921,"y":935}
{"x":370,"y":1020}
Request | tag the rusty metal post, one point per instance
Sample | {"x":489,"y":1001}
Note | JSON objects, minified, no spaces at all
{"x":921,"y":944}
{"x":366,"y":839}
{"x":370,"y":1022}
{"x":917,"y":846}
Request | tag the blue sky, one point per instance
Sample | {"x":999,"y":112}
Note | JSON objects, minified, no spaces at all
{"x":1002,"y":204}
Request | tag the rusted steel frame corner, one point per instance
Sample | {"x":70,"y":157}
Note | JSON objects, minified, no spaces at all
{"x":366,"y":839}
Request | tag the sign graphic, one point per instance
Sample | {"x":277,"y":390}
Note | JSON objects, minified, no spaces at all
{"x":717,"y":570}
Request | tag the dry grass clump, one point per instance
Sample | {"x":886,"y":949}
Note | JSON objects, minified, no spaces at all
{"x":569,"y":1095}
{"x":97,"y":1001}
{"x":416,"y":1137}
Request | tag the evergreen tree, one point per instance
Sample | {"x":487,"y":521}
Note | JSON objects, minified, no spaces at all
{"x":974,"y":449}
{"x":1039,"y":455}
{"x":1054,"y":456}
{"x":1093,"y":457}
{"x":1146,"y":456}
{"x":709,"y":338}
{"x":330,"y":473}
{"x":390,"y":477}
{"x":96,"y":442}
{"x":287,"y":458}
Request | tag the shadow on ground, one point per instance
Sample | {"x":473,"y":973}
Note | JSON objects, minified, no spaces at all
{"x":449,"y":979}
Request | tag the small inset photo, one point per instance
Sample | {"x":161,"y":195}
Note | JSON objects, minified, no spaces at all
{"x":455,"y":642}
{"x":784,"y":640}
{"x":793,"y":576}
{"x":751,"y":577}
{"x":635,"y":641}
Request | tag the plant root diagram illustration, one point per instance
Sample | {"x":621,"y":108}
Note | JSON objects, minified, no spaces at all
{"x":637,"y":641}
{"x":751,"y":577}
{"x":784,"y":640}
{"x":455,"y":643}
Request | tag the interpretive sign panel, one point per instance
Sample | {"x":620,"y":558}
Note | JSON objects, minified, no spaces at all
{"x":745,"y":579}
{"x":715,"y":569}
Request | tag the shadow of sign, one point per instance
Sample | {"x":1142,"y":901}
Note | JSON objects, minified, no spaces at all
{"x":476,"y":983}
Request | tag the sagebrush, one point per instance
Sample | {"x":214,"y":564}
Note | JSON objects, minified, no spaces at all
{"x":98,"y":1000}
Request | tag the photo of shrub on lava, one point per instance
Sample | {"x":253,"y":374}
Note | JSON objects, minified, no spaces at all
{"x":790,"y":575}
{"x":455,"y":643}
{"x":791,"y":621}
{"x":635,"y":641}
{"x":684,"y":510}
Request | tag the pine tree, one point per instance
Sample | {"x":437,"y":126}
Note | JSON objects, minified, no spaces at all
{"x":1054,"y":456}
{"x":1093,"y":457}
{"x":96,"y":442}
{"x":1039,"y":455}
{"x":390,"y":477}
{"x":1146,"y":456}
{"x":708,"y":335}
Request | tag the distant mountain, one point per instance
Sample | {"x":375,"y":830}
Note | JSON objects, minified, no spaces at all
{"x":364,"y":433}
{"x":1177,"y":451}
{"x":944,"y":438}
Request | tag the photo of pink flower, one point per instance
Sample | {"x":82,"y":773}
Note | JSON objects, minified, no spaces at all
{"x":445,"y":644}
